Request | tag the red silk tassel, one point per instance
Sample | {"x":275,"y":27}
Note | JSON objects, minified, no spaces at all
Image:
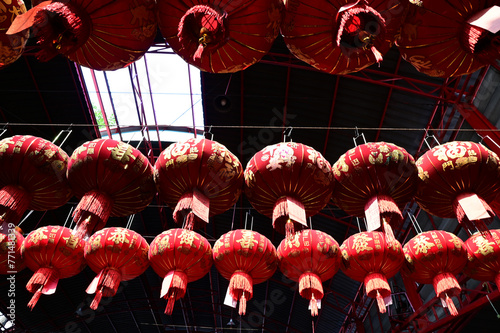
{"x":38,"y":281}
{"x":377,"y":54}
{"x":170,"y":303}
{"x":241,"y":288}
{"x":450,"y":305}
{"x":35,"y":298}
{"x":243,"y":305}
{"x":97,"y":299}
{"x":445,"y":284}
{"x":95,"y":204}
{"x":381,"y":303}
{"x":313,"y":303}
{"x":376,"y":286}
{"x":176,"y":290}
{"x":309,"y":286}
{"x":108,"y":285}
{"x":14,"y":201}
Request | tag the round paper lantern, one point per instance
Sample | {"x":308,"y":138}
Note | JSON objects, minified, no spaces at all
{"x":375,"y":180}
{"x":102,"y":35}
{"x":32,"y":176}
{"x":179,"y":256}
{"x":245,"y":258}
{"x":115,"y":254}
{"x":11,"y":47}
{"x":198,"y":178}
{"x":220,"y":36}
{"x":288,"y":182}
{"x":450,"y":38}
{"x":310,"y":258}
{"x":11,"y":261}
{"x":341,"y":36}
{"x":369,"y":258}
{"x":483,"y":253}
{"x":436,"y":257}
{"x":112,"y":178}
{"x":459,"y":179}
{"x":53,"y":253}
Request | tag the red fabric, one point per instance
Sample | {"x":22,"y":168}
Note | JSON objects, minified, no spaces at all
{"x":38,"y":168}
{"x":454,"y":168}
{"x":367,"y":253}
{"x":378,"y":169}
{"x":246,"y":31}
{"x":437,"y":40}
{"x":328,"y":37}
{"x":52,"y":247}
{"x":202,"y":165}
{"x":483,"y":252}
{"x":104,"y":35}
{"x":247,"y":252}
{"x":117,"y":170}
{"x":288,"y":169}
{"x":118,"y":248}
{"x":435,"y":257}
{"x":7,"y":244}
{"x":11,"y":47}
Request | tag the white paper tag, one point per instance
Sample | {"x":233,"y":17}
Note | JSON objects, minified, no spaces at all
{"x":229,"y":301}
{"x":388,"y":300}
{"x":488,"y":19}
{"x":201,"y":205}
{"x":95,"y":282}
{"x":296,"y":213}
{"x":167,"y":283}
{"x":473,"y":208}
{"x":372,"y":214}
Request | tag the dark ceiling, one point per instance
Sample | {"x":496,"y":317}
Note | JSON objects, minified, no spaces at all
{"x":388,"y":102}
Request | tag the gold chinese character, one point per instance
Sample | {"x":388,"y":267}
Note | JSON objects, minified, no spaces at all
{"x":122,"y":152}
{"x":360,"y":242}
{"x":119,"y":236}
{"x":247,"y":240}
{"x":187,"y":237}
{"x":483,"y":246}
{"x":39,"y":235}
{"x":422,"y":245}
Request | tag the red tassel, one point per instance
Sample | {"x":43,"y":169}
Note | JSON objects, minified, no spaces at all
{"x":450,"y":305}
{"x":35,"y":298}
{"x":170,"y":304}
{"x":346,"y":19}
{"x":243,"y":305}
{"x":313,"y":303}
{"x":190,"y":221}
{"x":96,"y":300}
{"x":16,"y":200}
{"x":96,"y":204}
{"x":184,"y":203}
{"x":377,"y":54}
{"x":446,"y":283}
{"x":82,"y":229}
{"x":289,"y":216}
{"x":309,"y":286}
{"x":199,"y":51}
{"x":389,"y":235}
{"x":289,"y":230}
{"x":381,"y":303}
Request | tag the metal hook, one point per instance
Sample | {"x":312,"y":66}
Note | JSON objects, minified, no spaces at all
{"x":427,"y":136}
{"x":68,"y":133}
{"x":287,"y":134}
{"x":357,"y":136}
{"x":209,"y":132}
{"x":4,"y":129}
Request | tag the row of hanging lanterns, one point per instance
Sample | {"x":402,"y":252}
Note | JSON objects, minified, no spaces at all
{"x":287,"y":182}
{"x":441,"y":39}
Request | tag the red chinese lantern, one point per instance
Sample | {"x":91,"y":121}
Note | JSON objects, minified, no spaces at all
{"x":459,"y":179}
{"x":436,"y":257}
{"x":103,"y":35}
{"x":53,"y":253}
{"x":369,"y":258}
{"x":11,"y":47}
{"x":450,"y":38}
{"x":310,"y":258}
{"x":341,"y":36}
{"x":375,"y":180}
{"x":32,"y":176}
{"x":11,"y":261}
{"x":198,"y":178}
{"x":179,"y":256}
{"x":220,"y":36}
{"x":112,"y":178}
{"x":245,"y":258}
{"x":288,"y":182}
{"x":483,"y":253}
{"x":115,"y":254}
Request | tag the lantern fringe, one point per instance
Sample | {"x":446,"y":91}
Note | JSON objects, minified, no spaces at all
{"x":95,"y":204}
{"x":480,"y":225}
{"x":313,"y":303}
{"x":309,"y":286}
{"x":208,"y":27}
{"x":108,"y":285}
{"x":376,"y":286}
{"x":445,"y":284}
{"x":377,"y":54}
{"x":176,"y":291}
{"x":38,"y":281}
{"x":450,"y":305}
{"x":16,"y":200}
{"x":239,"y":284}
{"x":184,"y":203}
{"x":289,"y":229}
{"x":190,"y":221}
{"x":282,"y":222}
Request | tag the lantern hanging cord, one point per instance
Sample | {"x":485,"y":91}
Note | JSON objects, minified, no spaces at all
{"x":414,"y":221}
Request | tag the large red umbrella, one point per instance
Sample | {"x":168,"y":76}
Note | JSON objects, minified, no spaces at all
{"x":112,"y":178}
{"x":115,"y":254}
{"x":341,"y":36}
{"x":32,"y":176}
{"x":220,"y":36}
{"x":459,"y":179}
{"x":368,"y":257}
{"x":288,"y":182}
{"x":198,"y":178}
{"x":11,"y":47}
{"x":245,"y":258}
{"x":310,"y":258}
{"x":483,"y":253}
{"x":179,"y":256}
{"x":436,"y":257}
{"x":102,"y":35}
{"x":375,"y":180}
{"x":450,"y":38}
{"x":11,"y":261}
{"x":53,"y":253}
